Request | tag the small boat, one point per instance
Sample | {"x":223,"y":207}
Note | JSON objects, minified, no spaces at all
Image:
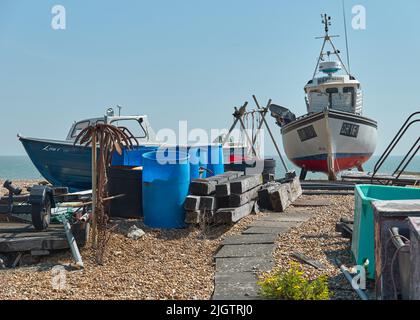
{"x":333,"y":136}
{"x":63,"y":163}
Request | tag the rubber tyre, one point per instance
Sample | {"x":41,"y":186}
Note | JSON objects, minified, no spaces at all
{"x":41,"y":214}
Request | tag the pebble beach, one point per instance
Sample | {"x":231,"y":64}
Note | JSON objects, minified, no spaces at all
{"x":179,"y":264}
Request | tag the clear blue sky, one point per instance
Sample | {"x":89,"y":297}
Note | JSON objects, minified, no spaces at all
{"x":193,"y":60}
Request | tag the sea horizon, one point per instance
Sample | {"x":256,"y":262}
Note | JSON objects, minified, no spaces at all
{"x":20,"y":167}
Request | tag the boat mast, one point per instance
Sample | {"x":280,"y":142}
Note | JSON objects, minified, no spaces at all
{"x":347,"y":38}
{"x":326,"y":21}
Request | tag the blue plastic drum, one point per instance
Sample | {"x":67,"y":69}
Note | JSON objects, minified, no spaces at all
{"x":131,"y":157}
{"x":198,"y":159}
{"x":194,"y":154}
{"x":166,"y":181}
{"x":215,"y":161}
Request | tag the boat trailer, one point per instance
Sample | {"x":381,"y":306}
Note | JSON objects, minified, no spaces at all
{"x":34,"y":233}
{"x":37,"y":203}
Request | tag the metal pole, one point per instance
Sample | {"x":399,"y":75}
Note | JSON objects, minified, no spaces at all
{"x":339,"y":58}
{"x":263,"y":112}
{"x":406,"y":156}
{"x":347,"y":41}
{"x":237,"y":115}
{"x":247,"y":136}
{"x":276,"y":146}
{"x":349,"y":278}
{"x":268,"y":129}
{"x":409,"y":160}
{"x":319,"y":58}
{"x":230,"y":131}
{"x":72,"y":243}
{"x":94,"y":190}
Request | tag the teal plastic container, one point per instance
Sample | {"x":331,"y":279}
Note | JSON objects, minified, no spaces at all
{"x":363,"y":240}
{"x":166,"y":181}
{"x":215,"y":160}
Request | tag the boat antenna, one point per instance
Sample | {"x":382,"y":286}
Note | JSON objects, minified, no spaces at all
{"x":345,"y":31}
{"x":326,"y":21}
{"x":119,"y":110}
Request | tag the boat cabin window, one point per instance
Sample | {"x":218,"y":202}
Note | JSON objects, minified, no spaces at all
{"x":78,"y":127}
{"x":352,"y":91}
{"x":133,"y":126}
{"x":331,"y":90}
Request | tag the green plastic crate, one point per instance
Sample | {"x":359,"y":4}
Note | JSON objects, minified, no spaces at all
{"x":363,"y":242}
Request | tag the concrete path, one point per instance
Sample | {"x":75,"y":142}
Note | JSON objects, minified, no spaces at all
{"x":242,"y":256}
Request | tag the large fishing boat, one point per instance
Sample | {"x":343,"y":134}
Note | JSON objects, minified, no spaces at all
{"x":333,"y":136}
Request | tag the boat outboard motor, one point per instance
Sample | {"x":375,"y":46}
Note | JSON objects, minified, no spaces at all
{"x":282,"y":115}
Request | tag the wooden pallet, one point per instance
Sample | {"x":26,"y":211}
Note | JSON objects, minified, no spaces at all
{"x":21,"y":237}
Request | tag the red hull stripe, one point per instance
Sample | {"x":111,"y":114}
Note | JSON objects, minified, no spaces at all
{"x":340,"y":164}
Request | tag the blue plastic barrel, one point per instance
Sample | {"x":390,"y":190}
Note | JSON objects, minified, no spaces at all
{"x":132,"y":157}
{"x":215,"y":161}
{"x":198,"y":159}
{"x":194,"y":154}
{"x":135,"y":156}
{"x":166,"y":181}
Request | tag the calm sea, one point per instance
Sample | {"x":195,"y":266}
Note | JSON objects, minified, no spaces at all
{"x":21,"y":167}
{"x":18,"y":168}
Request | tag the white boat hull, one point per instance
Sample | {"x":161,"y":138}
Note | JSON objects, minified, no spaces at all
{"x":330,"y":141}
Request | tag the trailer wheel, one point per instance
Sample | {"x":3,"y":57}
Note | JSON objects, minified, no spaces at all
{"x":41,"y":214}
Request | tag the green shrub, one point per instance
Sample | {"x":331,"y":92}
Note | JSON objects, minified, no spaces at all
{"x":292,"y":285}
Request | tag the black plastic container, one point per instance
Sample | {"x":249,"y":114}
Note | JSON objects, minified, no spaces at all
{"x":268,"y":165}
{"x":128,"y":181}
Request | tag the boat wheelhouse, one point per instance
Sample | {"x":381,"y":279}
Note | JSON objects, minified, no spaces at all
{"x":336,"y":92}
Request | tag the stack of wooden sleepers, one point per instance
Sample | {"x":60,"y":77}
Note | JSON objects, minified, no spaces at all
{"x":227,"y":198}
{"x":278,"y":195}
